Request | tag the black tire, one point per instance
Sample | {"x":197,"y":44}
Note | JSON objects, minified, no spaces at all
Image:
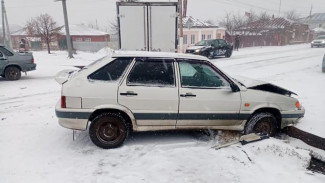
{"x":108,"y":130}
{"x":263,"y":122}
{"x":228,"y":53}
{"x":12,"y":73}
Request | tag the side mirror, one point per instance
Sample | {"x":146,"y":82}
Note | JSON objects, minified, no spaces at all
{"x":234,"y":88}
{"x":212,"y":45}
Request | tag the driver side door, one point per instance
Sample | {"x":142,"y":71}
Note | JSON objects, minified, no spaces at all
{"x":206,"y":98}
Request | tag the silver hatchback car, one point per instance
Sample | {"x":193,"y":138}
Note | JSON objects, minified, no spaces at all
{"x":141,"y":91}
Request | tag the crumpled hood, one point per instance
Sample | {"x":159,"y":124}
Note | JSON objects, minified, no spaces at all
{"x":196,"y":47}
{"x":263,"y":86}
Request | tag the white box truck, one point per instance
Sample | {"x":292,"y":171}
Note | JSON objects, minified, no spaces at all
{"x":147,"y":26}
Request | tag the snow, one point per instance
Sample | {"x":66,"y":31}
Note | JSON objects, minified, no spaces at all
{"x":34,"y":148}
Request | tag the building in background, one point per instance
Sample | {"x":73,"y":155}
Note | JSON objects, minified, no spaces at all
{"x":31,"y":42}
{"x":316,"y":22}
{"x":195,"y":30}
{"x":273,"y":32}
{"x":83,"y":39}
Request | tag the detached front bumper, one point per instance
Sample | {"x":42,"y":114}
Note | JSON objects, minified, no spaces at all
{"x":292,"y":117}
{"x":76,"y":119}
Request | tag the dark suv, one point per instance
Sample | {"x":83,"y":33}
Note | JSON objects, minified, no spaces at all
{"x":211,"y":48}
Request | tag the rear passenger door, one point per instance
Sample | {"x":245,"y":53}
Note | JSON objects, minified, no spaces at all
{"x":150,"y":91}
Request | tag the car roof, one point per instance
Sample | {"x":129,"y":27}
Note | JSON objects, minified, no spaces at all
{"x":157,"y":55}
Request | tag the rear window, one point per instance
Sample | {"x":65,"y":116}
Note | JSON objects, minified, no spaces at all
{"x":112,"y":71}
{"x":6,"y":52}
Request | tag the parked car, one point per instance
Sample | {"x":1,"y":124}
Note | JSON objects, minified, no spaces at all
{"x":13,"y":63}
{"x":319,"y":42}
{"x":144,"y":91}
{"x":323,"y":67}
{"x":211,"y":48}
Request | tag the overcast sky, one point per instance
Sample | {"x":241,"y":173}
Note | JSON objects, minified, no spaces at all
{"x":88,"y":11}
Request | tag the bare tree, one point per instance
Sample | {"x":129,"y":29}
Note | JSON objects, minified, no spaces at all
{"x":228,"y":23}
{"x":264,"y":16}
{"x":113,"y":27}
{"x":44,"y":27}
{"x":292,"y":15}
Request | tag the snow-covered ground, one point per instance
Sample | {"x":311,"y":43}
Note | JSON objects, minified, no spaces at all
{"x":34,"y":148}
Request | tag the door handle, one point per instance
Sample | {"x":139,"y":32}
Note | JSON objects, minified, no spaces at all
{"x":129,"y":93}
{"x":188,"y":95}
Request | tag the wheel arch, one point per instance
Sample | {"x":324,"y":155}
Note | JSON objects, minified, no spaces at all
{"x":12,"y":65}
{"x":128,"y":116}
{"x":276,"y":112}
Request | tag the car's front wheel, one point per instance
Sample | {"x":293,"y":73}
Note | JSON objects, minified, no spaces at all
{"x":108,"y":130}
{"x":263,"y":122}
{"x":12,"y":73}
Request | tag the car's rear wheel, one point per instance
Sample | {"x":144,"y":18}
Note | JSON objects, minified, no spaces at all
{"x":12,"y":73}
{"x":263,"y":122}
{"x":108,"y":130}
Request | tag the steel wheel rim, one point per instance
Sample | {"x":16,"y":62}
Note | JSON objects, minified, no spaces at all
{"x":13,"y":73}
{"x":264,"y":127}
{"x":110,"y":131}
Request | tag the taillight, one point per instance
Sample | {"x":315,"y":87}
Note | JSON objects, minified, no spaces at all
{"x":63,"y":104}
{"x":32,"y":59}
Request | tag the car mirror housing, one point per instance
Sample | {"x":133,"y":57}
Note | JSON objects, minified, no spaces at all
{"x":234,"y":87}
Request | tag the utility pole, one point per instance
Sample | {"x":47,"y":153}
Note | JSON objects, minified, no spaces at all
{"x":311,"y":9}
{"x":5,"y":26}
{"x":280,"y":8}
{"x":3,"y":22}
{"x":180,"y":18}
{"x":66,"y":23}
{"x":9,"y":44}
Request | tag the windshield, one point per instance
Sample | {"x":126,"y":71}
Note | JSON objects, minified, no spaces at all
{"x":321,"y":37}
{"x":204,"y":43}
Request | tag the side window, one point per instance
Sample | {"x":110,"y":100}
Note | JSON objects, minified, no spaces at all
{"x":202,"y":75}
{"x":112,"y":71}
{"x":6,"y":52}
{"x":216,"y":43}
{"x":222,"y":42}
{"x":152,"y":73}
